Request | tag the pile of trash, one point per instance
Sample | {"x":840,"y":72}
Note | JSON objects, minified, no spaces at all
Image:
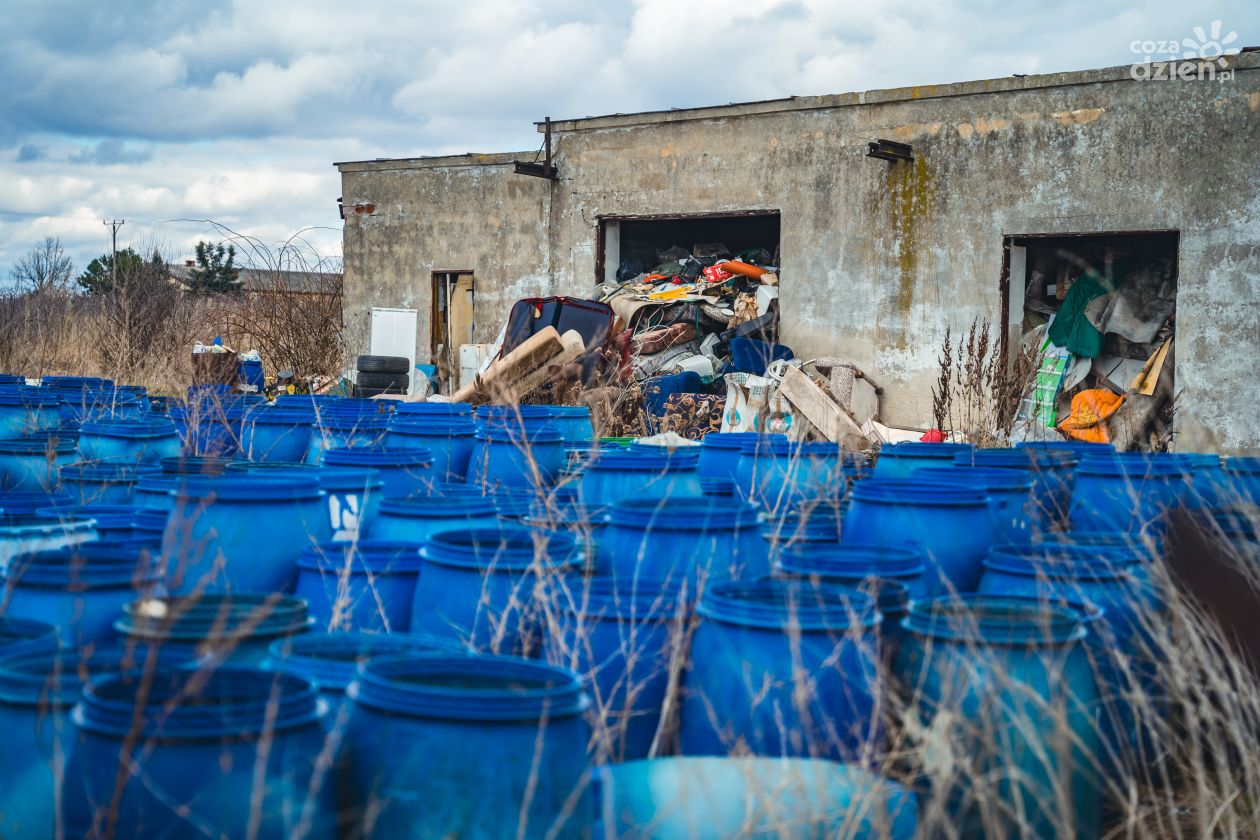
{"x":695,"y":317}
{"x":1104,"y":345}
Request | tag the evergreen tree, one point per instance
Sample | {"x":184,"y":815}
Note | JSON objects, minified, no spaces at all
{"x":215,"y":272}
{"x":100,"y":275}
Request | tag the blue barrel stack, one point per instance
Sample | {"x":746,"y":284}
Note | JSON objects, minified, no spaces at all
{"x":328,"y":617}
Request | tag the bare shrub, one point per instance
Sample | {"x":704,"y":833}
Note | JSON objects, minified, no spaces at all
{"x":290,"y":309}
{"x":978,"y":390}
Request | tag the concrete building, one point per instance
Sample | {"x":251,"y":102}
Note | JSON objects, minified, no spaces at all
{"x":878,"y":258}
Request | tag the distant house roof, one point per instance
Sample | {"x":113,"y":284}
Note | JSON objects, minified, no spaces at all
{"x":268,"y":280}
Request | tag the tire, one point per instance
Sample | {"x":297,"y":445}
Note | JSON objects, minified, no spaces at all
{"x":383,"y":380}
{"x":384,"y":364}
{"x":376,"y":392}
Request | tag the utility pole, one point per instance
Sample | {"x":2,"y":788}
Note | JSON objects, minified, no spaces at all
{"x":113,"y":247}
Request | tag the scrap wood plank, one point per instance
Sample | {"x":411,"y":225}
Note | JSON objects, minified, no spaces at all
{"x":513,"y":390}
{"x":526,"y":358}
{"x":832,"y":421}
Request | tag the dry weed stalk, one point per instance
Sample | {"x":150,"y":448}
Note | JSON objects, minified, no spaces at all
{"x":978,"y":391}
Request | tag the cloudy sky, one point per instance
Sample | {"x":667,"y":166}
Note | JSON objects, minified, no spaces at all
{"x":167,"y":112}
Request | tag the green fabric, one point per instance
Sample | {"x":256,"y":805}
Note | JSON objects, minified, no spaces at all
{"x":1071,"y":329}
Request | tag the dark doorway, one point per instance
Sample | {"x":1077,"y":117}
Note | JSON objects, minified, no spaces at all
{"x":647,"y":241}
{"x":451,"y":324}
{"x":1119,"y":318}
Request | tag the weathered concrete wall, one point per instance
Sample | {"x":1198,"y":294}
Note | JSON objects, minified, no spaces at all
{"x":459,"y":213}
{"x":879,"y":259}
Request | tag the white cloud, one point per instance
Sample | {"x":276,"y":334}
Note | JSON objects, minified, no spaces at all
{"x":166,"y":110}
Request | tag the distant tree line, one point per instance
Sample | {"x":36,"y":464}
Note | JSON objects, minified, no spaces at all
{"x":46,"y":269}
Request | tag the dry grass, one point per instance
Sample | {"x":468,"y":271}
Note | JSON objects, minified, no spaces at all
{"x":978,"y":389}
{"x":1186,"y":766}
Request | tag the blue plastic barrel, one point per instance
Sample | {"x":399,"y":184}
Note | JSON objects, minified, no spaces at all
{"x":447,"y":435}
{"x":433,"y":409}
{"x":511,"y":731}
{"x":335,"y":429}
{"x":1243,"y":475}
{"x":487,"y":586}
{"x":40,"y":770}
{"x":784,"y":473}
{"x":952,"y":523}
{"x":848,"y":564}
{"x":900,"y":460}
{"x":1010,"y":495}
{"x":805,"y":523}
{"x":783,"y":668}
{"x":1110,"y":578}
{"x":512,"y":504}
{"x":103,"y":482}
{"x":1127,"y":658}
{"x":722,"y":488}
{"x":747,"y":469}
{"x":242,"y":532}
{"x":116,"y":523}
{"x":215,"y":629}
{"x":238,"y":749}
{"x":1209,"y":486}
{"x":709,"y":538}
{"x":20,"y":636}
{"x":626,"y":639}
{"x":353,"y":496}
{"x":273,"y":433}
{"x":157,"y":490}
{"x":515,"y":417}
{"x":27,"y":532}
{"x":1007,"y":688}
{"x":641,"y":472}
{"x":32,"y":463}
{"x":512,"y":457}
{"x":1053,"y":472}
{"x":24,"y":502}
{"x":719,"y":453}
{"x":1079,"y":448}
{"x":332,"y":660}
{"x":80,"y":590}
{"x":709,"y":798}
{"x":250,"y":376}
{"x":573,"y":421}
{"x":137,"y":441}
{"x":360,"y":584}
{"x":1146,"y":548}
{"x":416,"y":520}
{"x":1128,"y":492}
{"x":196,"y":465}
{"x":24,"y":411}
{"x":404,"y":472}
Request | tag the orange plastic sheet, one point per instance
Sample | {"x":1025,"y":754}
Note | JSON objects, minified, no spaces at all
{"x":1090,"y":410}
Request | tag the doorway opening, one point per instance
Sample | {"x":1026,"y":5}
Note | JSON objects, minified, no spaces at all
{"x":1100,"y":310}
{"x":451,"y":324}
{"x":629,"y":246}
